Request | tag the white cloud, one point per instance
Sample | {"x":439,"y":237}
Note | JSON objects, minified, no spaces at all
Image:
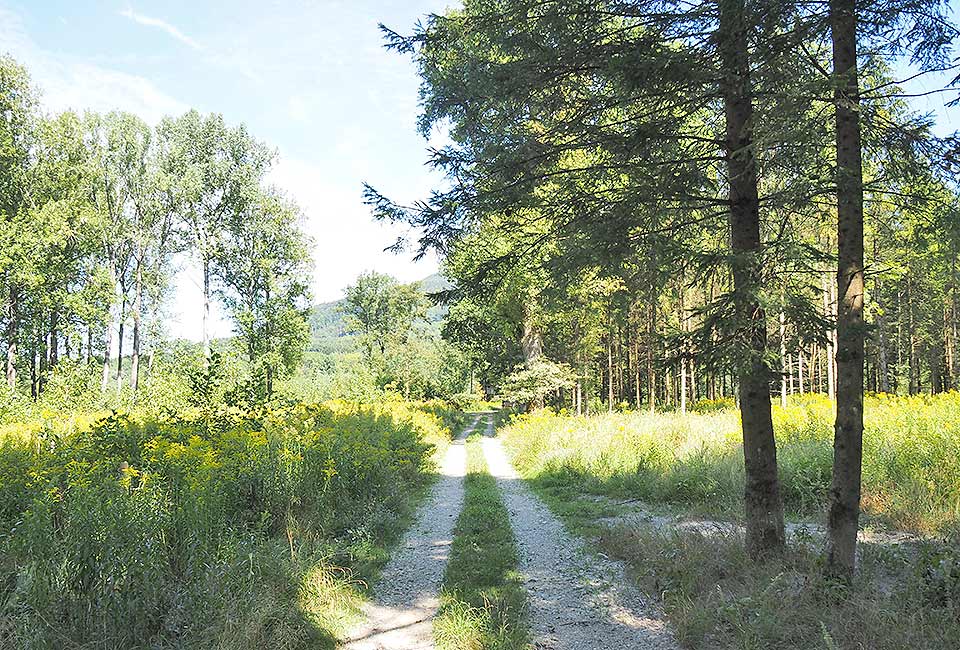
{"x":347,"y":241}
{"x":70,"y":84}
{"x":150,"y":21}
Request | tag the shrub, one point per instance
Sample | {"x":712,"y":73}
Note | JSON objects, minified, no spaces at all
{"x":138,"y":532}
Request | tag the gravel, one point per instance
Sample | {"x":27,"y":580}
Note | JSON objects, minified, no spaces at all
{"x":578,"y":601}
{"x":401,"y":615}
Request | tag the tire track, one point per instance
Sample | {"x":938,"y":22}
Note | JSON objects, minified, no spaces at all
{"x":577,"y":601}
{"x":401,"y":615}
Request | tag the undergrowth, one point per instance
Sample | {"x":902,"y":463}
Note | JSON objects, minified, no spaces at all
{"x":230,"y":530}
{"x":911,"y":466}
{"x":715,"y":596}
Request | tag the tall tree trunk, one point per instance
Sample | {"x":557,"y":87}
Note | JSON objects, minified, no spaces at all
{"x":137,"y":309}
{"x":883,"y":364}
{"x":610,"y":372}
{"x":41,"y":379}
{"x":89,"y":356}
{"x":54,"y":338}
{"x":763,"y":504}
{"x":206,"y":311}
{"x":107,"y":347}
{"x":844,"y":513}
{"x":683,"y":350}
{"x":123,"y":317}
{"x":912,"y":361}
{"x":34,"y":379}
{"x":13,"y":327}
{"x":800,"y":370}
{"x":783,"y":360}
{"x":651,"y":335}
{"x":830,"y":349}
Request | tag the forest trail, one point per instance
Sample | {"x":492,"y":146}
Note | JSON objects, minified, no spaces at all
{"x":401,"y":615}
{"x":577,"y":601}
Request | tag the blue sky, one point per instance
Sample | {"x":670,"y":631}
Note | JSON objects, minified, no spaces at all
{"x":310,"y":77}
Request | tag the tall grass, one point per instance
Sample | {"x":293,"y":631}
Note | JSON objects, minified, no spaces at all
{"x":231,"y":530}
{"x":911,"y":470}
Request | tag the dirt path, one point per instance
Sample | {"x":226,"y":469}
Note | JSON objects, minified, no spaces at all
{"x":401,"y":616}
{"x":577,"y":601}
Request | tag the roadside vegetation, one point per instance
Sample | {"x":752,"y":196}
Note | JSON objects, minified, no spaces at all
{"x":482,"y":603}
{"x":225,"y":529}
{"x":911,"y":471}
{"x":627,"y":479}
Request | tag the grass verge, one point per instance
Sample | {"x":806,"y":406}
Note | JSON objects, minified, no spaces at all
{"x":482,"y":603}
{"x":904,"y":596}
{"x":715,"y":596}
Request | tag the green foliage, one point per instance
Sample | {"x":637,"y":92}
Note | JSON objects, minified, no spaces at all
{"x":186,"y":532}
{"x":910,"y":470}
{"x":532,"y":382}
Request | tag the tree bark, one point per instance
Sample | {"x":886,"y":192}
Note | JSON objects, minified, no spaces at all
{"x":651,"y":335}
{"x":41,"y":381}
{"x":123,"y":316}
{"x":763,"y":505}
{"x":137,"y":308}
{"x":34,"y":379}
{"x":844,"y":511}
{"x":13,"y":327}
{"x":683,"y":355}
{"x":206,"y":311}
{"x":54,"y":338}
{"x":783,"y":360}
{"x":609,"y":372}
{"x":828,"y":313}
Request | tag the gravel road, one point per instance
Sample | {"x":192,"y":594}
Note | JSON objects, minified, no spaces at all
{"x":578,"y":601}
{"x":401,"y":615}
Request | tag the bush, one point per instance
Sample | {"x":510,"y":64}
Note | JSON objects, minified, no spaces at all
{"x":183,"y":532}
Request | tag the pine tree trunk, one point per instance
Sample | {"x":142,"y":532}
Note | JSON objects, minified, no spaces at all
{"x":610,"y":372}
{"x":763,"y":505}
{"x":651,"y":377}
{"x":683,"y":350}
{"x":883,"y":365}
{"x":844,"y":511}
{"x":828,"y":313}
{"x":800,"y":371}
{"x":13,"y":327}
{"x":912,"y":342}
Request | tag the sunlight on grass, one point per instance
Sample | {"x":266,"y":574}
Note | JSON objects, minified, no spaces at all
{"x":234,"y":529}
{"x":911,"y":471}
{"x":482,"y":602}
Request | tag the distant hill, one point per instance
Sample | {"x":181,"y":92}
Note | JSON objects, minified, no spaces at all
{"x":327,"y":322}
